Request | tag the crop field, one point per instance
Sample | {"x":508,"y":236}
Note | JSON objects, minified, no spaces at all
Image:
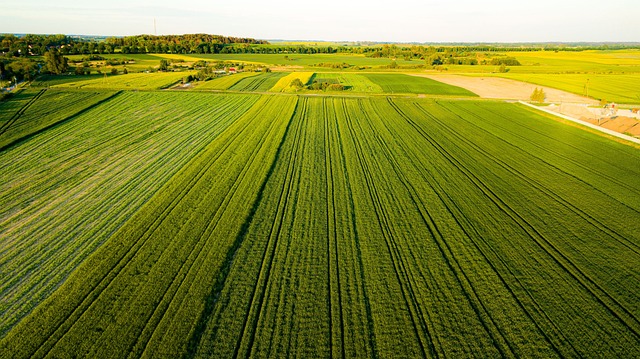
{"x":17,"y":101}
{"x":311,"y":226}
{"x":284,"y":84}
{"x":402,"y":83}
{"x":304,"y":60}
{"x":137,"y":63}
{"x":46,"y":108}
{"x":620,"y":88}
{"x":131,"y":81}
{"x":225,"y":82}
{"x":593,"y":61}
{"x":260,"y":83}
{"x":66,"y":190}
{"x":352,"y":82}
{"x":52,"y":80}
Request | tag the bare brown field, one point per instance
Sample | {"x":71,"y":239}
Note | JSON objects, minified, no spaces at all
{"x":499,"y":88}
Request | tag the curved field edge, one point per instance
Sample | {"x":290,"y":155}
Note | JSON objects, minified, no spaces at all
{"x":68,"y":189}
{"x":620,"y":88}
{"x":225,"y":82}
{"x":403,"y":83}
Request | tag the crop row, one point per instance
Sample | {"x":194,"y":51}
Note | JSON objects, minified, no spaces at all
{"x":351,"y":227}
{"x":387,"y":230}
{"x":132,"y":81}
{"x":401,"y":83}
{"x":45,"y":109}
{"x":144,"y":290}
{"x":261,"y":83}
{"x":68,"y":189}
{"x":225,"y":82}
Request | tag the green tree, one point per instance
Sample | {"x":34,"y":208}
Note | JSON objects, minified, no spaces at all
{"x":55,"y":62}
{"x":22,"y":68}
{"x":297,"y":84}
{"x":164,"y":65}
{"x":538,"y":95}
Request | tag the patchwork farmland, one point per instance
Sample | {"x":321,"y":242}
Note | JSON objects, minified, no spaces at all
{"x":199,"y":224}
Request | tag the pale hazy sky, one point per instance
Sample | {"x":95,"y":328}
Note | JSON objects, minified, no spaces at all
{"x":397,"y":21}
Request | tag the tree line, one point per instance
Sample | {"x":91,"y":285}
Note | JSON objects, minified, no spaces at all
{"x":38,"y":45}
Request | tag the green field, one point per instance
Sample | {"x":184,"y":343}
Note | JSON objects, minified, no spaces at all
{"x":304,"y":60}
{"x":401,"y":83}
{"x":132,"y":81}
{"x":620,"y":88}
{"x":66,"y":190}
{"x":352,"y":82}
{"x":40,"y":110}
{"x":261,"y":83}
{"x":571,"y":62}
{"x":185,"y":224}
{"x":137,"y":63}
{"x":225,"y":82}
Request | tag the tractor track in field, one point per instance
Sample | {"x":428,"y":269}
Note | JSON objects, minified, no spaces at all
{"x":332,"y":238}
{"x":212,"y":297}
{"x":459,"y":216}
{"x":20,"y":112}
{"x":111,"y":273}
{"x":464,"y":282}
{"x":558,"y":256}
{"x":361,"y":271}
{"x":447,"y":254}
{"x":557,"y":198}
{"x":386,"y":152}
{"x":256,"y":300}
{"x":204,"y":237}
{"x":384,"y":226}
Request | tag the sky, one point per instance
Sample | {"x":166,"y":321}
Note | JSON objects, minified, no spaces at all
{"x":335,"y":20}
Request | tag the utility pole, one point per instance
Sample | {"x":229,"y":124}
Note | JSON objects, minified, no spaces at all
{"x":155,"y":30}
{"x":587,"y":88}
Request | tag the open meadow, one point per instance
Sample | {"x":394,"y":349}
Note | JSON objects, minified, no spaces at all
{"x":255,"y":215}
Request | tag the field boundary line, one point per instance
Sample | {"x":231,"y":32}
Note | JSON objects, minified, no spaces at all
{"x":407,"y":292}
{"x":493,"y":329}
{"x":556,"y":197}
{"x":562,"y":260}
{"x":584,"y":123}
{"x":55,"y":124}
{"x":262,"y":285}
{"x":20,"y":112}
{"x":332,"y":237}
{"x":348,"y":185}
{"x":196,"y":336}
